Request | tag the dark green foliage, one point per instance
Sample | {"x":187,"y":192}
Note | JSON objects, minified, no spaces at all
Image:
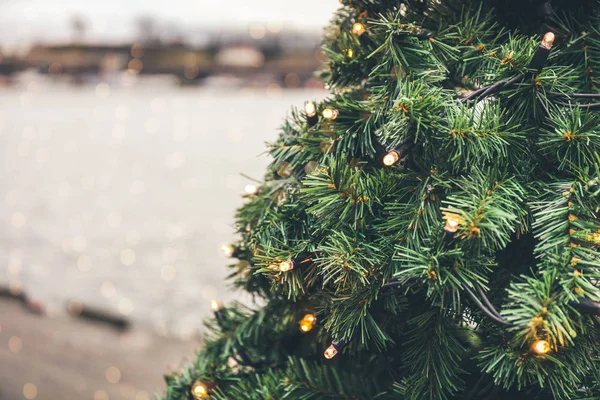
{"x":436,"y":351}
{"x":375,"y":259}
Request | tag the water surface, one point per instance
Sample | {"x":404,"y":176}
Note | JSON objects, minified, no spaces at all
{"x":121,"y":197}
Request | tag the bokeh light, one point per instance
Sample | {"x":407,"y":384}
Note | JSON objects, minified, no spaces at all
{"x":15,"y":344}
{"x":30,"y":391}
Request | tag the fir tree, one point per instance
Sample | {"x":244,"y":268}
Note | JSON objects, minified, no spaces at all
{"x":432,"y":227}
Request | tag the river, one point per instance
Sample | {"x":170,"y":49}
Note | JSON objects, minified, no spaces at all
{"x":120,"y":198}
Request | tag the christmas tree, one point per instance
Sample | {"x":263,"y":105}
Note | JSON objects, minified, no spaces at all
{"x":430,"y":230}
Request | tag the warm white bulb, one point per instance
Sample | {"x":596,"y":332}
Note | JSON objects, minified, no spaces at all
{"x":548,"y":40}
{"x":391,"y":158}
{"x":310,"y":318}
{"x":330,"y":352}
{"x":251,"y":189}
{"x":199,"y":391}
{"x":452,"y":222}
{"x":228,"y":250}
{"x":310,"y":109}
{"x":286,"y":266}
{"x":358,"y":29}
{"x":330,"y":113}
{"x":215,"y":305}
{"x":542,"y":347}
{"x":350,"y":53}
{"x":305,"y":326}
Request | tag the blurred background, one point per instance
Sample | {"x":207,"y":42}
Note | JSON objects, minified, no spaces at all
{"x":124,"y":129}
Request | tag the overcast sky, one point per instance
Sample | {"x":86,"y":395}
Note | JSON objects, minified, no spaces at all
{"x":23,"y":21}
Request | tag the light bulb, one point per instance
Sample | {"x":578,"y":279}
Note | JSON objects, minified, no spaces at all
{"x":452,"y":222}
{"x":358,"y":28}
{"x":286,"y":266}
{"x":306,"y":326}
{"x":310,"y":318}
{"x":548,"y":40}
{"x":541,"y":347}
{"x":251,"y":189}
{"x":199,"y":391}
{"x":310,"y":109}
{"x":350,"y":53}
{"x":330,"y":113}
{"x":391,"y":158}
{"x":330,"y":352}
{"x":215,"y":305}
{"x":228,"y":250}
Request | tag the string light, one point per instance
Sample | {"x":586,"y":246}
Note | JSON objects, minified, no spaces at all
{"x":228,"y":250}
{"x":308,"y":322}
{"x":350,"y":53}
{"x":542,"y":52}
{"x":358,"y":29}
{"x":199,"y":391}
{"x":548,"y":40}
{"x":311,"y":113}
{"x":215,"y":305}
{"x":541,"y":347}
{"x":310,"y":318}
{"x":391,"y":158}
{"x":310,"y":109}
{"x":251,"y":189}
{"x":305,"y":326}
{"x":330,"y":352}
{"x":330,"y":114}
{"x":286,"y":266}
{"x":452,"y":222}
{"x":291,"y":263}
{"x":537,"y":63}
